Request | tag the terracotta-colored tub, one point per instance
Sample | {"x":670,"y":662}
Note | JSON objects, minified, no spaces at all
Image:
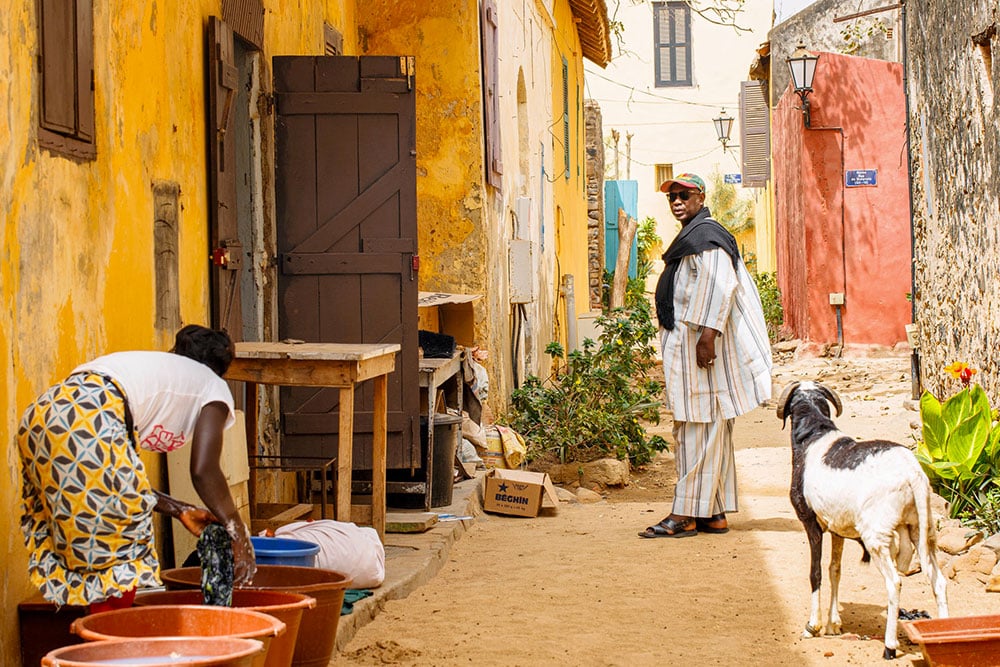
{"x":284,"y":606}
{"x":181,"y":621}
{"x":318,"y":631}
{"x":959,"y":641}
{"x":158,"y":652}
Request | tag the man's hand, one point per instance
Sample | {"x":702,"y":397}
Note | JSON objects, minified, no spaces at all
{"x":195,"y":519}
{"x":705,"y":348}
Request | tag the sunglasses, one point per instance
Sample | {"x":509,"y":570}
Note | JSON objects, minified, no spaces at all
{"x":683,"y":194}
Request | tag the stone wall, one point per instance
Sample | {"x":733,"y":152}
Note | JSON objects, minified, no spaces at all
{"x":952,"y":54}
{"x":814,"y":26}
{"x":595,"y":200}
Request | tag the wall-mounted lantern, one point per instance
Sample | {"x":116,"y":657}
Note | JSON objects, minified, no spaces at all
{"x":723,"y":127}
{"x":802,"y":66}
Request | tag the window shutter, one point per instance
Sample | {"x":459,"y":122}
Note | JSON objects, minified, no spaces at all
{"x":755,"y":134}
{"x":565,"y":90}
{"x":672,"y":37}
{"x":66,"y":77}
{"x":491,"y":103}
{"x":246,"y":18}
{"x":85,"y":71}
{"x":59,"y":66}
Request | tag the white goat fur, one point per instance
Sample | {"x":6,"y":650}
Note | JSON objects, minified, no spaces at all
{"x":879,"y":496}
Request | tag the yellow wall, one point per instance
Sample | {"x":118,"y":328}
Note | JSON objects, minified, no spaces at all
{"x":76,"y":275}
{"x":444,"y":38}
{"x":569,"y":195}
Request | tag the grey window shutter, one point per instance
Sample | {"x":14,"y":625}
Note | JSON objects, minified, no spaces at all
{"x":755,"y":134}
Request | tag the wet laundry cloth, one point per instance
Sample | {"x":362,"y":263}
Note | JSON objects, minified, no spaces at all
{"x":215,"y":550}
{"x":352,"y":595}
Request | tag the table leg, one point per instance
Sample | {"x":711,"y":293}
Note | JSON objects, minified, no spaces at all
{"x":345,"y":453}
{"x":250,"y":418}
{"x":379,"y":438}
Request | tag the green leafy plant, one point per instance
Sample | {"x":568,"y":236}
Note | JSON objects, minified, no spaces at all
{"x":986,"y":516}
{"x":960,"y":446}
{"x":594,"y":404}
{"x":770,"y":299}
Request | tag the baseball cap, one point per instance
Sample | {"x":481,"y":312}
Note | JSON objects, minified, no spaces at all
{"x":687,"y":180}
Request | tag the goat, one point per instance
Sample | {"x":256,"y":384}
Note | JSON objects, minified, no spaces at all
{"x":871,"y":491}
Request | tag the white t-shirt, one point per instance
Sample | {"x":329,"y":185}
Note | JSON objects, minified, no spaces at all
{"x":165,"y":392}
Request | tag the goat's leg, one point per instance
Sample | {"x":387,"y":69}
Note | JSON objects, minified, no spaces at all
{"x":836,"y":552}
{"x":815,"y":535}
{"x":893,"y":583}
{"x":939,"y":583}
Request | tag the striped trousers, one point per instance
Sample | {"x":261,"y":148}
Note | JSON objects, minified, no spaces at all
{"x":706,"y":468}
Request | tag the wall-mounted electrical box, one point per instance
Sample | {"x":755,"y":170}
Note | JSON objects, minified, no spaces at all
{"x":836,"y":298}
{"x":521,"y":268}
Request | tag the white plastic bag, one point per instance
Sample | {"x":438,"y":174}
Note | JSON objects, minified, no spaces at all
{"x":355,"y":551}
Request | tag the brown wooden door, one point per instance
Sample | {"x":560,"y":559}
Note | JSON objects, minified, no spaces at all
{"x":225,"y":247}
{"x":345,"y":181}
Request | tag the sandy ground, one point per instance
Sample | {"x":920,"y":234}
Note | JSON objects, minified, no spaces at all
{"x":579,"y":586}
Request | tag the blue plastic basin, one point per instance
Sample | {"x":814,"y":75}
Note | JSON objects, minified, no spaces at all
{"x":284,"y":551}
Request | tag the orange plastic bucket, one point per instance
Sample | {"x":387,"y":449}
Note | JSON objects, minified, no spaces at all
{"x":158,"y":652}
{"x":319,"y":626}
{"x":181,"y":621}
{"x":284,"y":606}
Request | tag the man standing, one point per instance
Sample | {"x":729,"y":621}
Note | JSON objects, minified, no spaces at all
{"x":716,"y":359}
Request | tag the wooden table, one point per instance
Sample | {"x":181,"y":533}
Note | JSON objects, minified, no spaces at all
{"x":339,"y":365}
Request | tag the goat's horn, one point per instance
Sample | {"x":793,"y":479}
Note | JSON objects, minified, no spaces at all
{"x":783,"y":401}
{"x":831,"y":396}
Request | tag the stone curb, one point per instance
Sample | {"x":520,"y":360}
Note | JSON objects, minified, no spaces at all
{"x":413,"y":559}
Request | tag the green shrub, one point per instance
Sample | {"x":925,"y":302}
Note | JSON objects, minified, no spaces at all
{"x":770,"y":299}
{"x":593,"y":405}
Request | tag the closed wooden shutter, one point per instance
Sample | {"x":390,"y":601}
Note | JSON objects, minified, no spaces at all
{"x":66,"y":60}
{"x":755,"y":134}
{"x":246,"y":18}
{"x":491,"y":102}
{"x":565,"y":92}
{"x":672,"y":43}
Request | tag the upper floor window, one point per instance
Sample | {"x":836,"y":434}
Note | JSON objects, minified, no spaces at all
{"x":672,"y":43}
{"x":66,"y":77}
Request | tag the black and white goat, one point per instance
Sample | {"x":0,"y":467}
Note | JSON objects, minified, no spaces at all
{"x":872,"y":491}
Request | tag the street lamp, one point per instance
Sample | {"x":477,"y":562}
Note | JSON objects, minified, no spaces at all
{"x":723,"y":126}
{"x":802,"y":66}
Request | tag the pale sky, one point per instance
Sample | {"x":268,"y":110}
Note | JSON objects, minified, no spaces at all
{"x":785,"y":8}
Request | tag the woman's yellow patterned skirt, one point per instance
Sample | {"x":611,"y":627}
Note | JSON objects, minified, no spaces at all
{"x":87,"y":504}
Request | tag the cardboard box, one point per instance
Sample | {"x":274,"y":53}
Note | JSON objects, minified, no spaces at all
{"x":518,"y":492}
{"x":451,"y":314}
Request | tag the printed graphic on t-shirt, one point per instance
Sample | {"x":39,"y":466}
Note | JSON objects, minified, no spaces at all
{"x":162,"y":440}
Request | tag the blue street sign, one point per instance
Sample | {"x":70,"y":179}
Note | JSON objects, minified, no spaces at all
{"x":736,"y":179}
{"x":858,"y":177}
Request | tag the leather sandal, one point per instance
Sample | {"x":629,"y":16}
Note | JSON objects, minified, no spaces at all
{"x":715,"y":524}
{"x":670,"y":528}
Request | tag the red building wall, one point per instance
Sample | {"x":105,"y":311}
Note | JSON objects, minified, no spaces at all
{"x":833,"y":238}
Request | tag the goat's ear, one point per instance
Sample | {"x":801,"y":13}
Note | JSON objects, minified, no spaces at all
{"x":786,"y":396}
{"x":831,"y":396}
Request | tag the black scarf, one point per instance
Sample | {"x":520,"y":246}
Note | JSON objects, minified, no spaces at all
{"x":701,"y":234}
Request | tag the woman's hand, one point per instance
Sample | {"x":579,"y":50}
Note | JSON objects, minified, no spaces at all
{"x":244,"y":560}
{"x":195,"y":519}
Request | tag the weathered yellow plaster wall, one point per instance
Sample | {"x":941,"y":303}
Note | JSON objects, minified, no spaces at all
{"x":569,"y":195}
{"x":76,"y":276}
{"x":452,"y":235}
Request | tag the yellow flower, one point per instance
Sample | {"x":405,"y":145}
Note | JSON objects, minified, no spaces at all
{"x":961,"y":371}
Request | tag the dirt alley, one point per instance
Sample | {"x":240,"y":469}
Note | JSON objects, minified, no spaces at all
{"x":579,"y":586}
